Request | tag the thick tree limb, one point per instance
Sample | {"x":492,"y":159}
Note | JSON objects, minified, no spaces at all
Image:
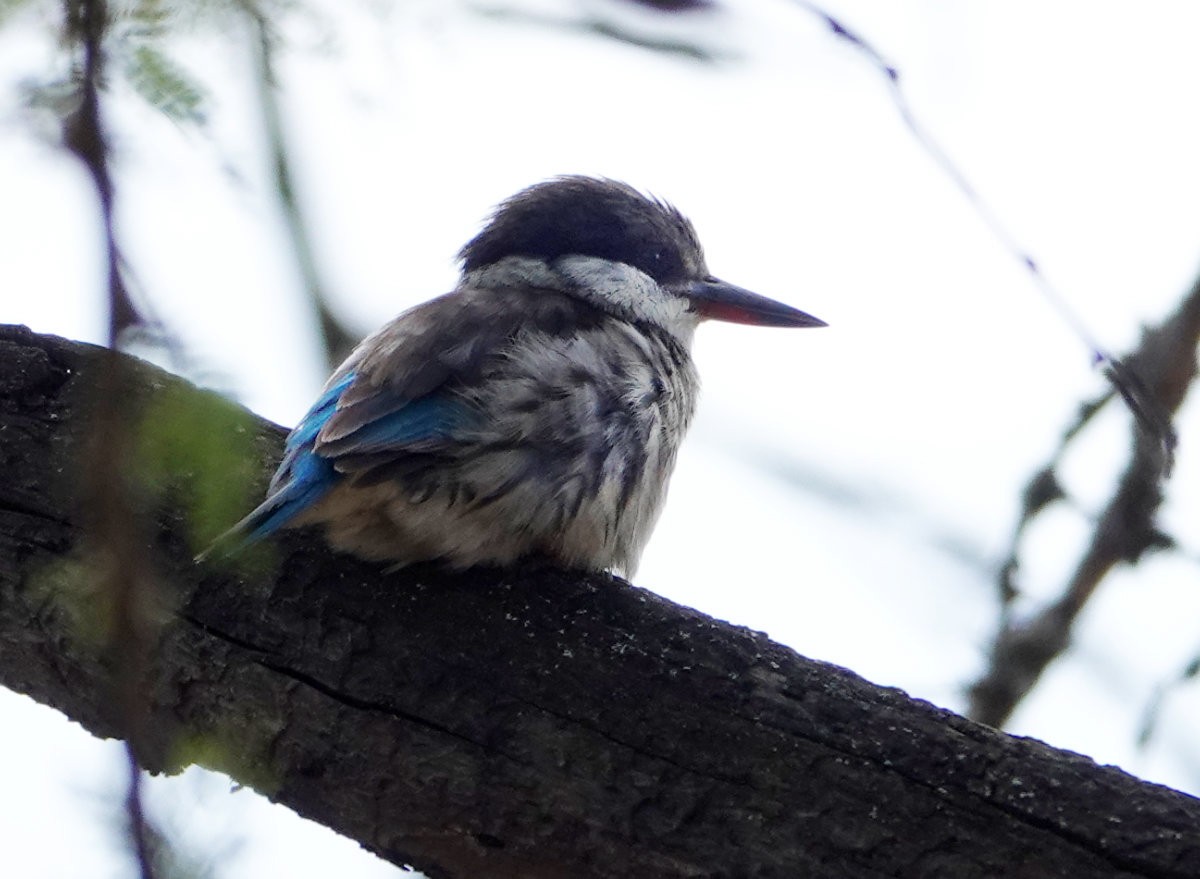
{"x":537,"y":723}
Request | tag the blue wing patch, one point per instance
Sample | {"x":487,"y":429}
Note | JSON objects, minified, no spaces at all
{"x":414,"y":424}
{"x":310,"y":425}
{"x":305,"y":433}
{"x":310,"y":477}
{"x":309,"y":466}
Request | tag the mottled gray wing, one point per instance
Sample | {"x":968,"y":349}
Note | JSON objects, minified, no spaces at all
{"x":400,"y":390}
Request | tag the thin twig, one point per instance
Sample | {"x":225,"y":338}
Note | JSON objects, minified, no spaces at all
{"x":1124,"y":532}
{"x":337,"y":339}
{"x":141,"y":836}
{"x":121,"y":569}
{"x":83,"y":135}
{"x":610,"y":30}
{"x":1141,"y":403}
{"x":1153,"y":710}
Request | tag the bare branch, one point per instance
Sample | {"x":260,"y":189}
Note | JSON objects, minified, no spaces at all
{"x":532,"y":722}
{"x":1166,"y":362}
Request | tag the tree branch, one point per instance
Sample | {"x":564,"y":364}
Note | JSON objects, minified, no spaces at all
{"x":533,"y":722}
{"x":1164,"y":366}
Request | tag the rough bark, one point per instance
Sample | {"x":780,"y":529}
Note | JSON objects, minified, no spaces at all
{"x":534,"y":722}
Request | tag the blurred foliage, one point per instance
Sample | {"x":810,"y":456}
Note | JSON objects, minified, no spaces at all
{"x":239,"y":748}
{"x":192,"y":449}
{"x":200,"y":448}
{"x":164,"y":85}
{"x":691,"y":47}
{"x":137,"y":39}
{"x":140,"y":43}
{"x":68,"y":585}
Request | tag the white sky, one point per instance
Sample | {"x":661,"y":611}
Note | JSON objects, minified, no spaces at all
{"x":942,"y":382}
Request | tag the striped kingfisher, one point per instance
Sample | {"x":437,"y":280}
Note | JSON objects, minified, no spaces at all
{"x":534,"y":410}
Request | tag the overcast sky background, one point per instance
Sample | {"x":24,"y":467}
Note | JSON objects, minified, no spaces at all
{"x":848,"y":490}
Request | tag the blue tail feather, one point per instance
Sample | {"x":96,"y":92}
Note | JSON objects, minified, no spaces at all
{"x":311,"y":477}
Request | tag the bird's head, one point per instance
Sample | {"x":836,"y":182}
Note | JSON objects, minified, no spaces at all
{"x":624,"y":252}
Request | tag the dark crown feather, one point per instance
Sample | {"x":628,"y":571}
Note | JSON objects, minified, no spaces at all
{"x":587,"y":216}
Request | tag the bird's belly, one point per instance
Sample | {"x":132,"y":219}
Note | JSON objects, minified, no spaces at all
{"x":482,"y":516}
{"x":568,"y":458}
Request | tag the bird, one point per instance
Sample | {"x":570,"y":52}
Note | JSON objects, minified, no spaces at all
{"x":535,"y":411}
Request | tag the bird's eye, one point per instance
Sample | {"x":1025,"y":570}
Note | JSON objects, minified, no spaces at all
{"x":661,"y":263}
